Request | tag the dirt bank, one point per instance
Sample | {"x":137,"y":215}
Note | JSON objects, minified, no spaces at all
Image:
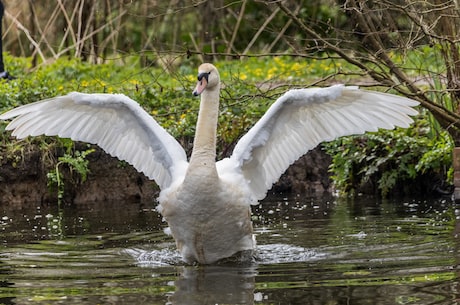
{"x":109,"y":179}
{"x":24,"y":180}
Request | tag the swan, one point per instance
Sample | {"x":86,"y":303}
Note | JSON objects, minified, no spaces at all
{"x":207,"y":204}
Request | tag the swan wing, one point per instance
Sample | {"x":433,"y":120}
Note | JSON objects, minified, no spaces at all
{"x":302,"y":118}
{"x":114,"y":122}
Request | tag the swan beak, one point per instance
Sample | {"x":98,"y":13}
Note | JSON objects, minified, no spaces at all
{"x":201,"y":84}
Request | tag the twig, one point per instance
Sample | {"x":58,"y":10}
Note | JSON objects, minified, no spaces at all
{"x":197,"y":50}
{"x":27,"y":33}
{"x":237,"y":26}
{"x":261,"y":29}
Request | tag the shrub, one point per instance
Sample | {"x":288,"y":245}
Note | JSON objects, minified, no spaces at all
{"x":391,"y":157}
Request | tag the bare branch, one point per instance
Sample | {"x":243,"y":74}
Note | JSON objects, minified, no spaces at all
{"x":237,"y":26}
{"x":27,"y":33}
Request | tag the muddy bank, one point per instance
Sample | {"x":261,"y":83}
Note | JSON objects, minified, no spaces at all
{"x":108,"y":179}
{"x":26,"y":181}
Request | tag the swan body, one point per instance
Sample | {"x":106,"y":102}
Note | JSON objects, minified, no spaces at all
{"x":207,"y":203}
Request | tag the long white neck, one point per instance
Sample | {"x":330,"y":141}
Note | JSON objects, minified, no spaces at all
{"x":204,"y":146}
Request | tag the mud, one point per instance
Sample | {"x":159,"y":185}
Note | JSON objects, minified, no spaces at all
{"x":25,"y":180}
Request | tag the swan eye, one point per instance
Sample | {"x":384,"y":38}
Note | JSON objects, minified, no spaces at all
{"x":205,"y":75}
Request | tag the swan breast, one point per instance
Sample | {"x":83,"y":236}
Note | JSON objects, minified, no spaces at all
{"x":209,"y":220}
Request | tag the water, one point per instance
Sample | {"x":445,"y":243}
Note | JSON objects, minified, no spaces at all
{"x":330,"y":251}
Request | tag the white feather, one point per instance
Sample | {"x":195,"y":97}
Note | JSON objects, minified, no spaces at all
{"x":114,"y":122}
{"x":313,"y":116}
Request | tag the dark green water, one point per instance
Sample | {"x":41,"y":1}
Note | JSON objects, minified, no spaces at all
{"x":311,"y":251}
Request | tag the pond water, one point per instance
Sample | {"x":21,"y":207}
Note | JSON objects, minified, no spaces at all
{"x":311,"y":251}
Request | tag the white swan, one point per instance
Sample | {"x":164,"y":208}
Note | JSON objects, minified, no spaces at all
{"x":207,"y":203}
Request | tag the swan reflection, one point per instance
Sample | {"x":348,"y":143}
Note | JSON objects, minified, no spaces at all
{"x":214,"y":285}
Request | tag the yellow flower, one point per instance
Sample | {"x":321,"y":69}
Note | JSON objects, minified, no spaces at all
{"x":272,"y":72}
{"x":182,"y":119}
{"x":296,"y":66}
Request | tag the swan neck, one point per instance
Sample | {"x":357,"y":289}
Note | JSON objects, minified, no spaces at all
{"x":204,"y":145}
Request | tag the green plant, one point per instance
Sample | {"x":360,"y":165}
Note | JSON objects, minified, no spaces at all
{"x":75,"y":161}
{"x":390,"y":157}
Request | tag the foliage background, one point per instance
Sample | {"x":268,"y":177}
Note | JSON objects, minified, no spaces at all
{"x":149,"y":50}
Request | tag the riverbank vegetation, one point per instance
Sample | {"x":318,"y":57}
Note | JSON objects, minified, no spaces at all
{"x":149,"y":51}
{"x":385,"y":159}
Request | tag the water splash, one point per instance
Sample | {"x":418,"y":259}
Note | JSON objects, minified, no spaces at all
{"x":265,"y":254}
{"x":154,"y":258}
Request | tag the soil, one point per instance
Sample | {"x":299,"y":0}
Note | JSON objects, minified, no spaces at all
{"x":25,"y":180}
{"x":110,"y":179}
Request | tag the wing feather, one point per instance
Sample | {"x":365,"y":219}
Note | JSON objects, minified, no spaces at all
{"x":301,"y":119}
{"x":112,"y":121}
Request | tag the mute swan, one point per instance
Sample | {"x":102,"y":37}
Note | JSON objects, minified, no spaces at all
{"x":207,"y":203}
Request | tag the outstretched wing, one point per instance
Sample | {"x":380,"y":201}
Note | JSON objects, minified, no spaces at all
{"x":114,"y":122}
{"x":301,"y":119}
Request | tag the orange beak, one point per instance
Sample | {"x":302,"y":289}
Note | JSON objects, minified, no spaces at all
{"x":201,"y":84}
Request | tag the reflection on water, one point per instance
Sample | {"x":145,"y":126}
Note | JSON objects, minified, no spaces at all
{"x":333,"y":251}
{"x":214,"y":285}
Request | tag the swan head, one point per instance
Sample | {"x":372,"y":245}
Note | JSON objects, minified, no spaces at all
{"x":208,"y":78}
